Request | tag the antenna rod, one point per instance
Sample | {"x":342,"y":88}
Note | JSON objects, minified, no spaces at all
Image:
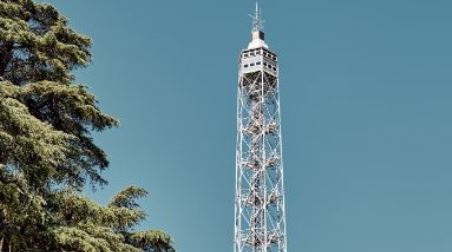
{"x":257,"y":10}
{"x":258,"y":22}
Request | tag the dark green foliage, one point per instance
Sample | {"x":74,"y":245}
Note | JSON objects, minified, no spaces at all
{"x":47,"y":154}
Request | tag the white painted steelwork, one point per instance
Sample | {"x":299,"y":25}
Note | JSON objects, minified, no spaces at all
{"x":259,"y":200}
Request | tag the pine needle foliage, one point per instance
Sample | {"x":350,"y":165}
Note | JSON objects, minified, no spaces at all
{"x":47,"y":153}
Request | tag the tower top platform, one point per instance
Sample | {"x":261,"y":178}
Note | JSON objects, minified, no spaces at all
{"x":258,"y":40}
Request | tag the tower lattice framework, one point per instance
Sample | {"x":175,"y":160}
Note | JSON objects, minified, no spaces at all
{"x":259,"y":202}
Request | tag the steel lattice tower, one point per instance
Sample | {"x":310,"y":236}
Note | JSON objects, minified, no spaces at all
{"x":259,"y":201}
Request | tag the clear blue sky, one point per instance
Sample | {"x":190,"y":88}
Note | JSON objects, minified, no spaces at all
{"x":366,"y":107}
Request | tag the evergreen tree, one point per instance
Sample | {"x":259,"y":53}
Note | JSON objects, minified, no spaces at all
{"x":47,"y":154}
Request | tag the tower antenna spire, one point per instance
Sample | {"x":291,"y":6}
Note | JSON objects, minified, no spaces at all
{"x":258,"y":22}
